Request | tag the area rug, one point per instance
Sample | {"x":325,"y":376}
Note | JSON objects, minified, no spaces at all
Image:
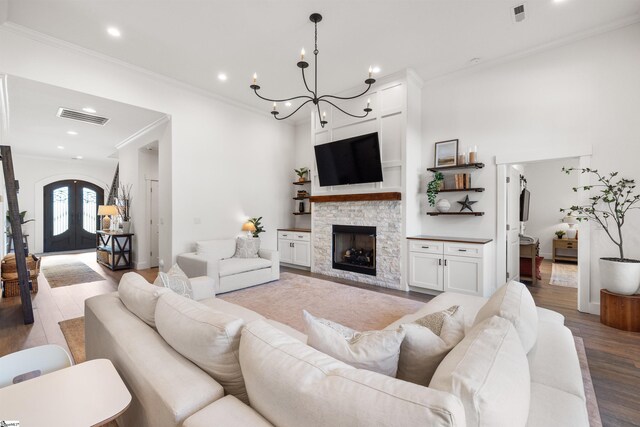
{"x":73,"y":331}
{"x":69,"y":273}
{"x":592,"y":403}
{"x":359,"y":309}
{"x":564,"y":275}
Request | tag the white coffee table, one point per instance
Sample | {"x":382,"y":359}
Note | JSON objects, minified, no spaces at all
{"x":88,"y":394}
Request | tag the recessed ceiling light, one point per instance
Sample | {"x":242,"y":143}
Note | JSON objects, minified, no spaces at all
{"x":222,"y":77}
{"x":77,"y":158}
{"x":89,"y":110}
{"x":113,"y":32}
{"x":60,"y":147}
{"x":287,"y":104}
{"x":72,"y":132}
{"x":376,"y":69}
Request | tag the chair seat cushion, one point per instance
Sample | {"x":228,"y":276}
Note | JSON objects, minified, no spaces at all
{"x":231,"y":266}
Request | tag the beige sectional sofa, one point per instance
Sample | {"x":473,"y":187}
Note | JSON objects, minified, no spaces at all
{"x":291,"y":384}
{"x":214,"y":258}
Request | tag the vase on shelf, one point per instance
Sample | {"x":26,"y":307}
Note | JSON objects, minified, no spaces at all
{"x":301,"y":207}
{"x":126,"y":226}
{"x":443,"y":205}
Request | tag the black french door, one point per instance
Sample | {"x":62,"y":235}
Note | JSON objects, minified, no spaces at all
{"x":71,"y":215}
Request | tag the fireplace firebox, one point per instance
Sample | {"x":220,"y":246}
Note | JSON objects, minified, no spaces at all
{"x":354,"y":249}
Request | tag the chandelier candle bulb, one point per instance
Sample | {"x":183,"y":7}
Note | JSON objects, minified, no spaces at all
{"x":255,"y":78}
{"x":302,"y":55}
{"x":370,"y":71}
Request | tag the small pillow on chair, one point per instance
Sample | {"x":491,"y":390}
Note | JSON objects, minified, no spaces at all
{"x":247,"y":247}
{"x":176,"y":280}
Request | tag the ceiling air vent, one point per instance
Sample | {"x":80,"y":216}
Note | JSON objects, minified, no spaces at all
{"x":66,"y":113}
{"x":518,"y":13}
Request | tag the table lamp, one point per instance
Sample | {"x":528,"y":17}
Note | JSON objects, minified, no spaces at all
{"x":106,"y":211}
{"x":572,"y":221}
{"x":249,"y":228}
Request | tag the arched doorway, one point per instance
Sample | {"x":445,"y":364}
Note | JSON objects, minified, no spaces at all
{"x":70,"y":215}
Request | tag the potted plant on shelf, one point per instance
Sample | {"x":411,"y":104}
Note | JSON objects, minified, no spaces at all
{"x":433,"y":187}
{"x":608,"y":207}
{"x":258,"y":227}
{"x":302,"y":174}
{"x":123,"y":204}
{"x":560,"y":234}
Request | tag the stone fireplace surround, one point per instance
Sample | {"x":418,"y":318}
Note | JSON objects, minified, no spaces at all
{"x":383,"y":211}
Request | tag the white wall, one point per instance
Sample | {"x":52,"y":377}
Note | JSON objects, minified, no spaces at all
{"x":226,"y":163}
{"x":36,"y":172}
{"x":551,"y":189}
{"x":587,"y":92}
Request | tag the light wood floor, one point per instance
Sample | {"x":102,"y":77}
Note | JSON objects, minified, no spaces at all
{"x":614,"y":356}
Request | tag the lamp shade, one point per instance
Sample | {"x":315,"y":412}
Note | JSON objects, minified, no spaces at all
{"x":248,"y":226}
{"x":107,"y":210}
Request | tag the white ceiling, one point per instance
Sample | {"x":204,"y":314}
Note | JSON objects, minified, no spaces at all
{"x":34,"y":128}
{"x":193,"y":41}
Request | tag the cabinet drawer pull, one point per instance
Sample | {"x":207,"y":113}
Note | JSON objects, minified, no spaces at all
{"x":445,"y":262}
{"x":439,"y":261}
{"x":462,"y":250}
{"x":300,"y":236}
{"x":285,"y":235}
{"x":426,"y":247}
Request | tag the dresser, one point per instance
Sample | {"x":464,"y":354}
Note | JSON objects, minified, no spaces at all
{"x":565,"y":250}
{"x":449,"y":264}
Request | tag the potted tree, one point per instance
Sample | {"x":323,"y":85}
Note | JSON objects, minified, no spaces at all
{"x":608,"y":207}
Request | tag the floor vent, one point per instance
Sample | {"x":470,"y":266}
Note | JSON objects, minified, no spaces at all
{"x":518,"y":13}
{"x":66,"y":113}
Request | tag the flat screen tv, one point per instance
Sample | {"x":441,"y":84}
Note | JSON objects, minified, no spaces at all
{"x":525,"y":197}
{"x":349,"y":161}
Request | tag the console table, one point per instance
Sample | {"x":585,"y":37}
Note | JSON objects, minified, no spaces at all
{"x":565,"y":250}
{"x":89,"y":394}
{"x":113,"y":249}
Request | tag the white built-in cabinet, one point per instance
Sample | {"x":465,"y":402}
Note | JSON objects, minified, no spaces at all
{"x":450,"y":266}
{"x":295,"y":247}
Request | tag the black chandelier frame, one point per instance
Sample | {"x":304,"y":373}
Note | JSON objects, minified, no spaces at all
{"x":315,"y":18}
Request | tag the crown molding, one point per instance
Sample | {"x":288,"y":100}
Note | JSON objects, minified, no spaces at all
{"x":4,"y":109}
{"x":583,"y":35}
{"x":37,"y":36}
{"x":145,"y":130}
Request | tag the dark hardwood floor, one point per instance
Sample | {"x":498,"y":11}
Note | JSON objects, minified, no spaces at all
{"x":613,"y":355}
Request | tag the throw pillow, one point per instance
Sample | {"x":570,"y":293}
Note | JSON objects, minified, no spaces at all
{"x":176,"y":280}
{"x":376,"y":351}
{"x":427,"y":341}
{"x":514,"y":302}
{"x":247,"y":247}
{"x":208,"y":338}
{"x":139,"y":296}
{"x":489,"y":372}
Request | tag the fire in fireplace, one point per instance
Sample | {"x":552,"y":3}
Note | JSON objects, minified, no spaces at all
{"x":354,"y":249}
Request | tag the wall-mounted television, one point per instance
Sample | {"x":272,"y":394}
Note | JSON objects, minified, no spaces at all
{"x":525,"y":198}
{"x":349,"y":161}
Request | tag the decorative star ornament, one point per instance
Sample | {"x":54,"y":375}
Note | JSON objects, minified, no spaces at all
{"x":466,"y":204}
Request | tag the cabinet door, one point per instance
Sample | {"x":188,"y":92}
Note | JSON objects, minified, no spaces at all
{"x":302,"y":254}
{"x":426,"y":271}
{"x":285,"y":248}
{"x":463,"y":274}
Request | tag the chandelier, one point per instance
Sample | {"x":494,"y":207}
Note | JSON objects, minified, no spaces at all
{"x":302,"y":64}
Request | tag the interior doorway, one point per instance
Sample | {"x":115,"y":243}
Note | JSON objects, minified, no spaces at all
{"x":154,"y":223}
{"x":71,"y":215}
{"x":510,"y":168}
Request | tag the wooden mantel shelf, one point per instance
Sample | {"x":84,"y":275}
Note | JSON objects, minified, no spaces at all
{"x":363,"y":197}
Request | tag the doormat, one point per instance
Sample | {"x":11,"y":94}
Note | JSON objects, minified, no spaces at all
{"x":69,"y":273}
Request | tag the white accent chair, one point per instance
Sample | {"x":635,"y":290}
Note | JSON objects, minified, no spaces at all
{"x":213,"y":258}
{"x":31,"y":363}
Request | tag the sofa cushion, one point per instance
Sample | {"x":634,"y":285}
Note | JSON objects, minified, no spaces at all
{"x":514,"y":302}
{"x":292,"y":384}
{"x":489,"y":372}
{"x":227,"y":412}
{"x":208,"y":338}
{"x":551,"y":407}
{"x":247,"y":247}
{"x":217,"y":248}
{"x":176,"y":280}
{"x":376,"y":351}
{"x":422,"y":350}
{"x":553,"y":361}
{"x":231,"y":266}
{"x":140,"y":296}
